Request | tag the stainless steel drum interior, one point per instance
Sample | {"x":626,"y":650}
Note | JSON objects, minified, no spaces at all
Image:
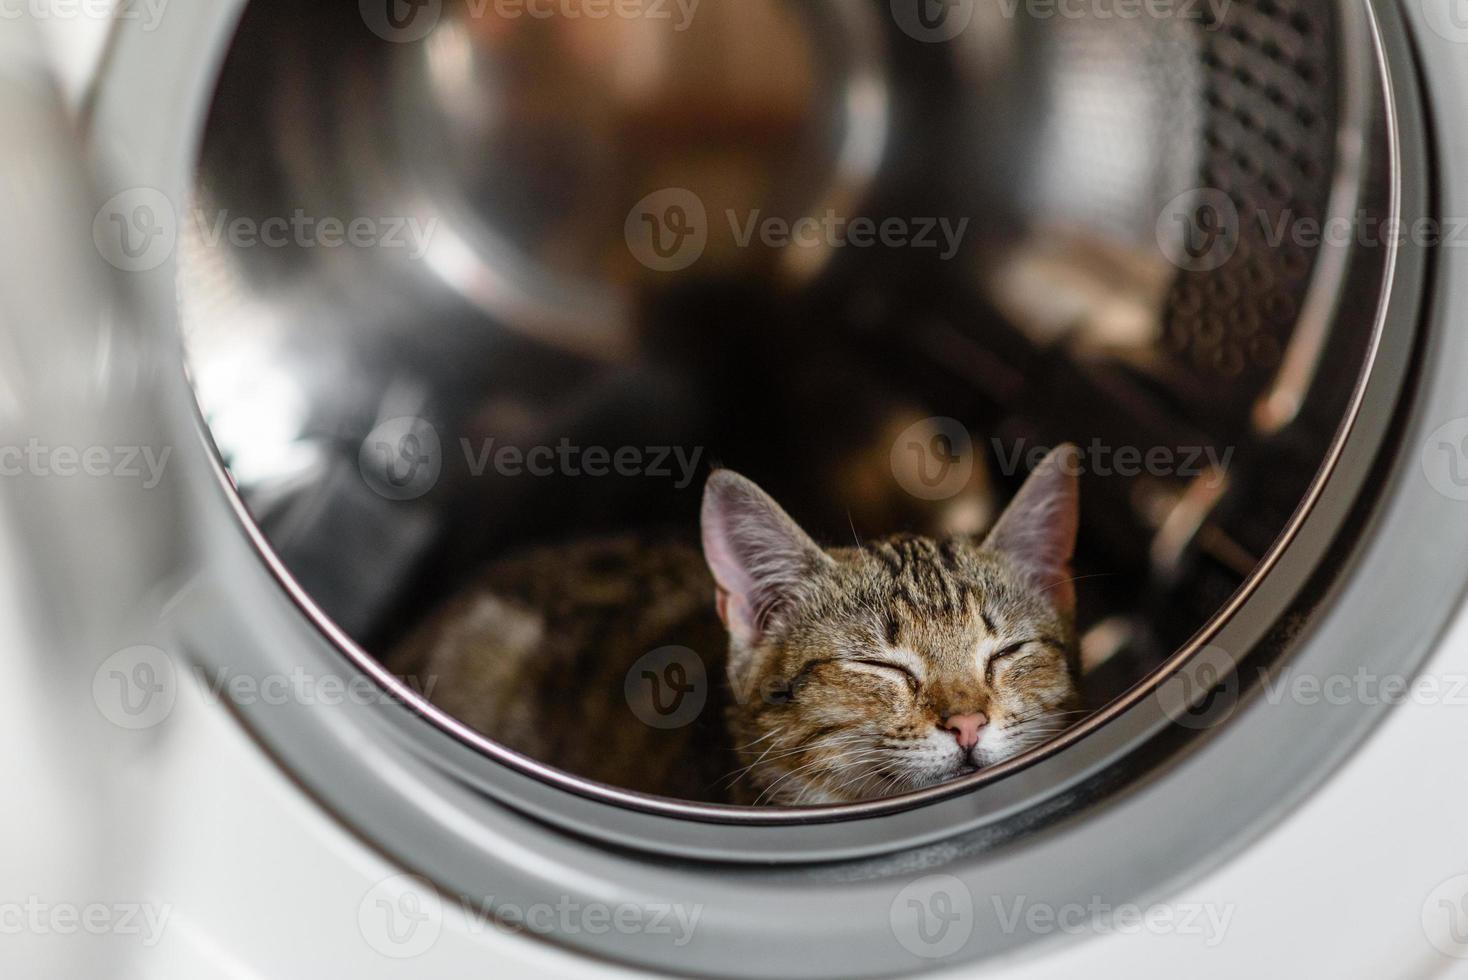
{"x":525,"y":317}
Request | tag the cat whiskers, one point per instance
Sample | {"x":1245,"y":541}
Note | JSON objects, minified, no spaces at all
{"x":734,"y":777}
{"x":823,"y":760}
{"x":1039,"y":727}
{"x":768,"y":734}
{"x":841,"y":787}
{"x":883,"y":774}
{"x":765,"y":757}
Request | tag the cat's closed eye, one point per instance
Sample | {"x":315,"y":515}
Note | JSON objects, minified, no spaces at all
{"x":1011,"y":649}
{"x":892,"y":670}
{"x":1016,"y":652}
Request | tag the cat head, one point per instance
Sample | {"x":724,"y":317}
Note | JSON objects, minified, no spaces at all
{"x":868,"y":671}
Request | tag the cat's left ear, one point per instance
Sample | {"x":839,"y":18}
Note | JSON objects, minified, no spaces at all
{"x":1037,"y":532}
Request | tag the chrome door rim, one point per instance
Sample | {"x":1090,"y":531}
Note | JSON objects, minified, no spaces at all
{"x":1359,"y":106}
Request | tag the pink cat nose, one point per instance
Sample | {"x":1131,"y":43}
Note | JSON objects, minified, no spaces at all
{"x":965,"y":728}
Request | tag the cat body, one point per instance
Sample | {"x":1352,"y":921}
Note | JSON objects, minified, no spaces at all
{"x":536,"y":652}
{"x":847,"y":673}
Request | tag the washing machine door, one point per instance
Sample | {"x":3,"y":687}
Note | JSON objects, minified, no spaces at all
{"x":178,"y":568}
{"x":90,"y":531}
{"x":96,"y":523}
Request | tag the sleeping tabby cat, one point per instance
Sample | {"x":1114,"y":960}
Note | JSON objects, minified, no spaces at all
{"x":852,"y":673}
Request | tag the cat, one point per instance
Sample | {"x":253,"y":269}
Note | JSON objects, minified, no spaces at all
{"x":850,"y":673}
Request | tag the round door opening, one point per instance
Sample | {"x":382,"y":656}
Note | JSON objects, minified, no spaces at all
{"x":783,"y":404}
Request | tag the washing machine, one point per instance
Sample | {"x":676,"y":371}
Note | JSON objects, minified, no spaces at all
{"x":280,"y":279}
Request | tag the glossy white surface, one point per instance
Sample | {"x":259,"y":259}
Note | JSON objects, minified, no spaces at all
{"x":1341,"y":887}
{"x":252,"y":879}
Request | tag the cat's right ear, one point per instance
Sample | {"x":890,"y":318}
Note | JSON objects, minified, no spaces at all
{"x":758,"y":555}
{"x":1038,"y":529}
